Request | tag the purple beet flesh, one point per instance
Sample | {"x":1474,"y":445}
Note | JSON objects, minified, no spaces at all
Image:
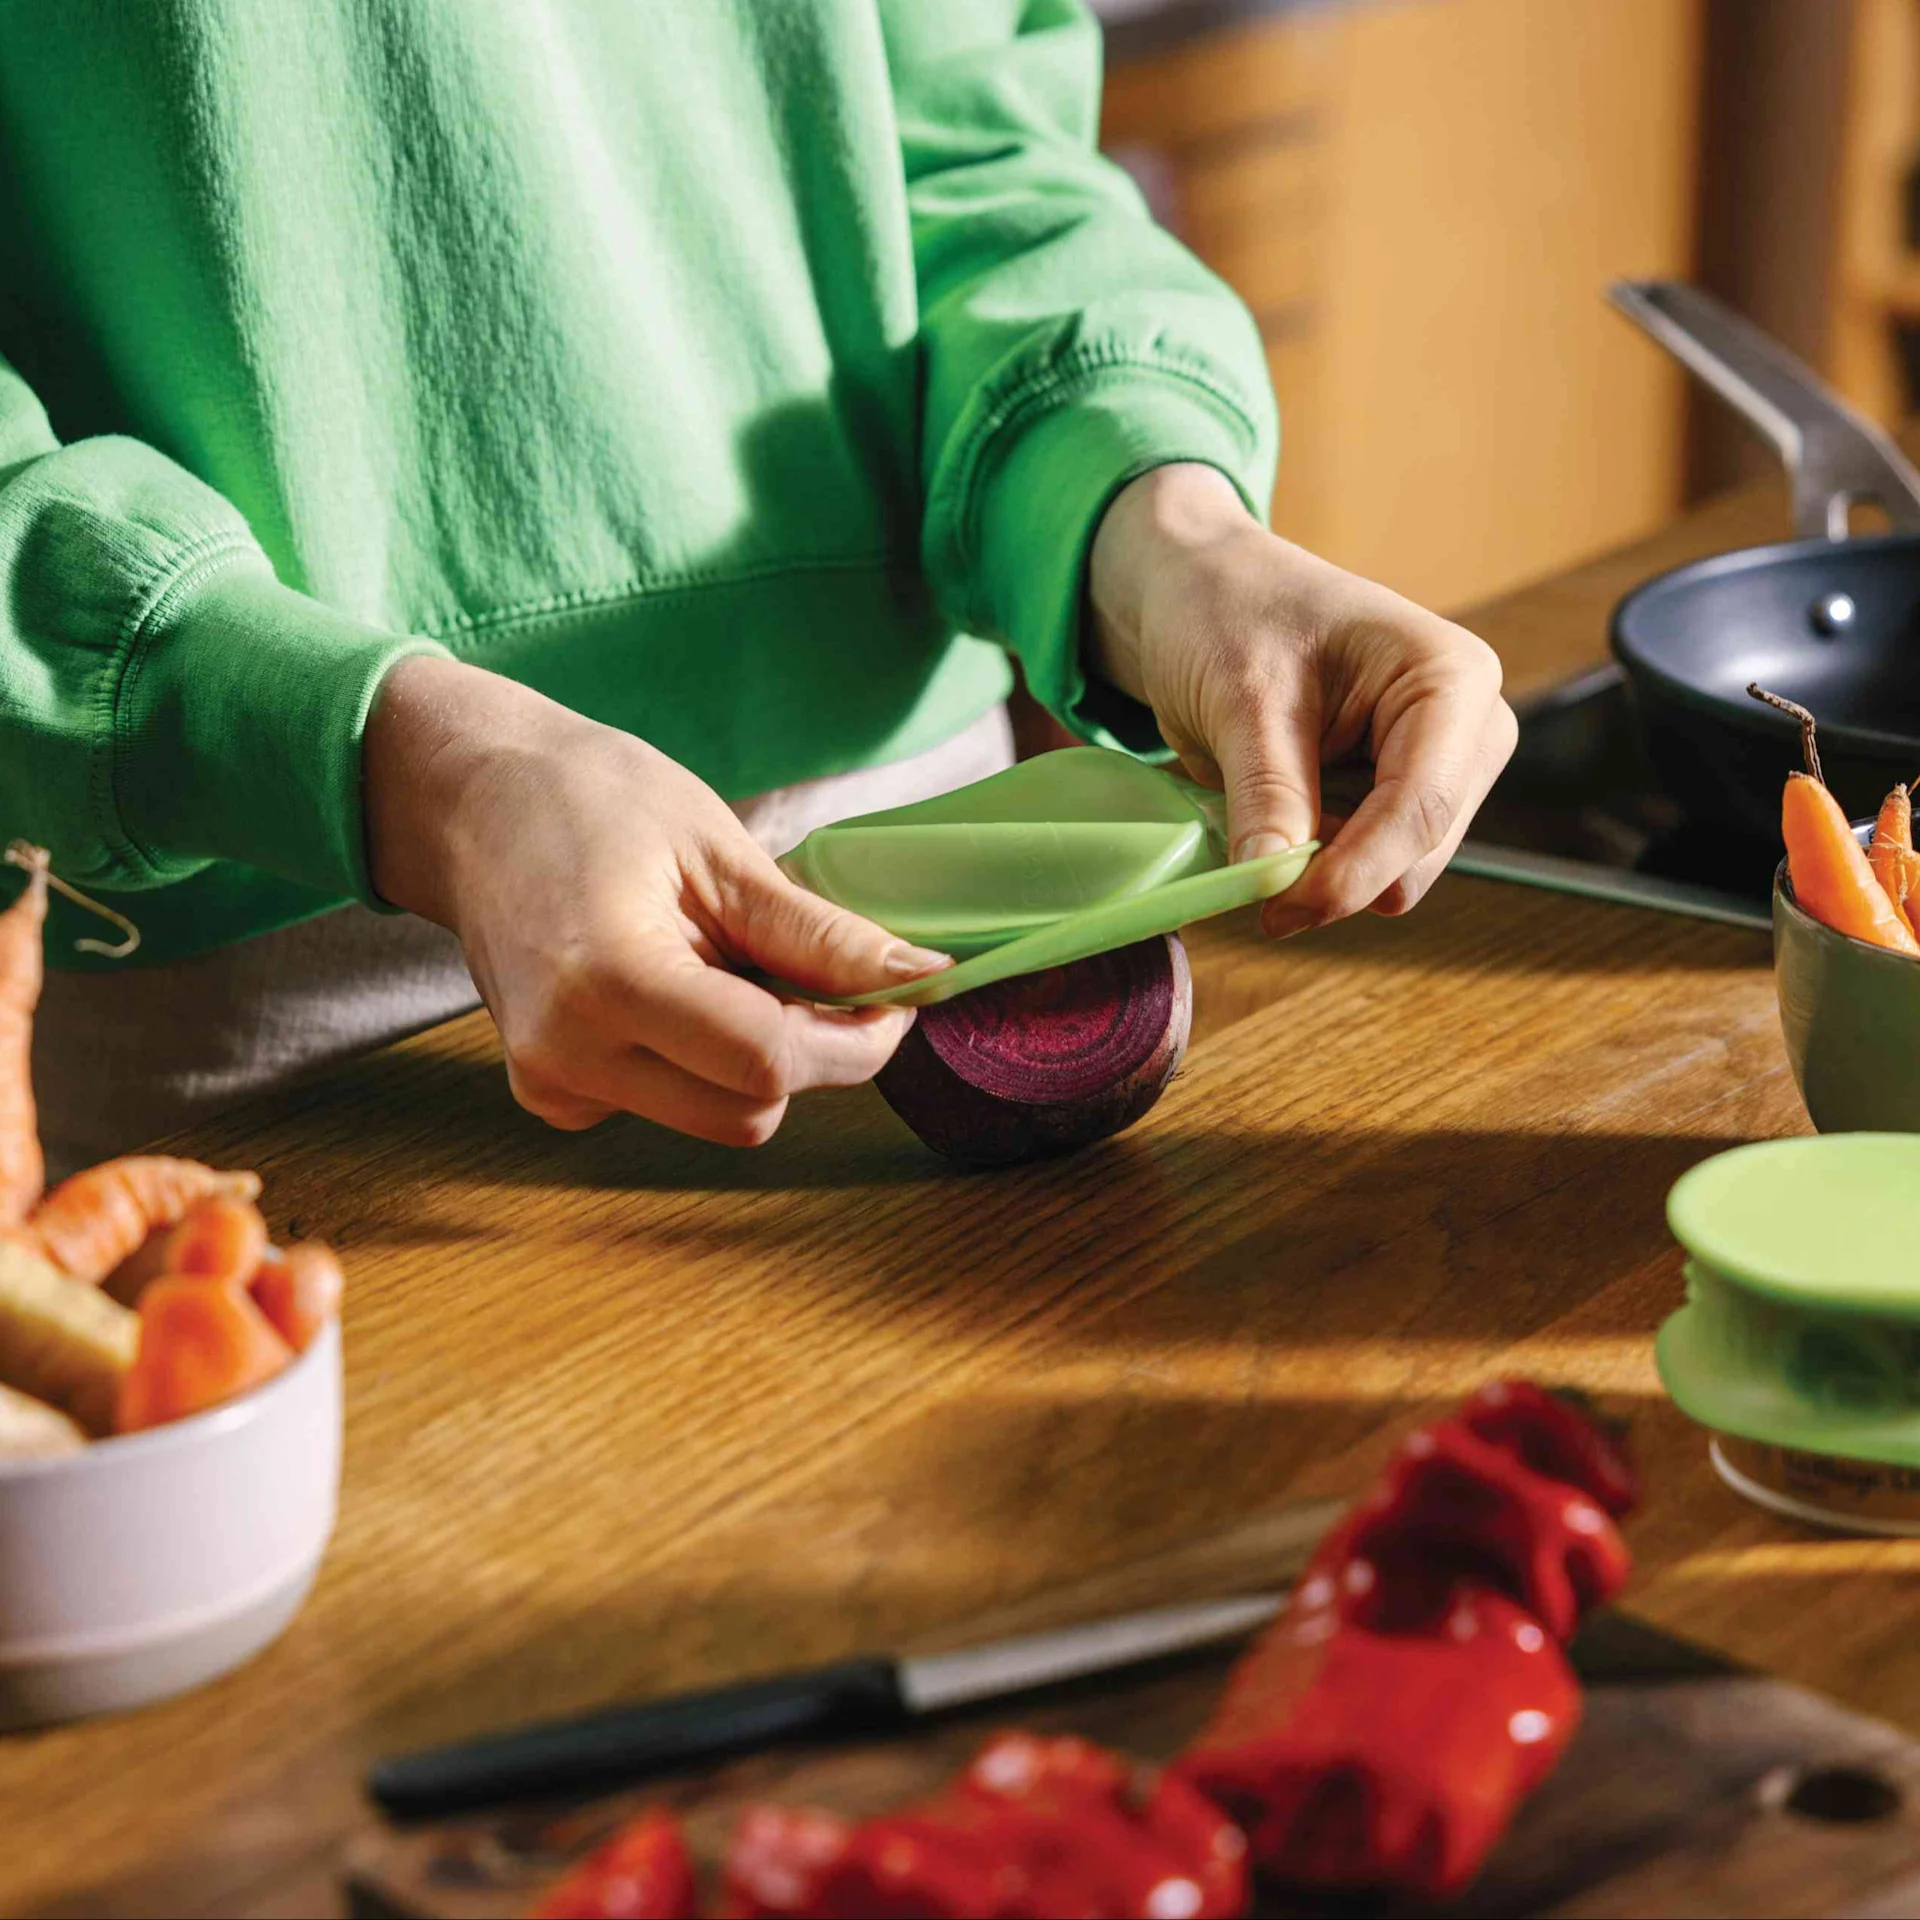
{"x":1040,"y":1065}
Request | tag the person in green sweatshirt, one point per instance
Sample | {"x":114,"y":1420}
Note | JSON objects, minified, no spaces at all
{"x":521,"y":465}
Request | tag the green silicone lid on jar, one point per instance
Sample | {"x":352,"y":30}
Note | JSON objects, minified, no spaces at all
{"x":1802,"y":1322}
{"x":1061,"y":857}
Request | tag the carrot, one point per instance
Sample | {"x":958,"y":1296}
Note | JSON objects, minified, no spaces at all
{"x":221,"y":1239}
{"x":299,"y":1291}
{"x":201,"y":1342}
{"x":1891,"y":852}
{"x":94,"y":1220}
{"x":131,"y":1278}
{"x":22,"y":967}
{"x":1832,"y":876}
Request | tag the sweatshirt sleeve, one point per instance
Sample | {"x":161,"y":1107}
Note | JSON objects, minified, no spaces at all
{"x":164,"y":701}
{"x":1067,"y":343}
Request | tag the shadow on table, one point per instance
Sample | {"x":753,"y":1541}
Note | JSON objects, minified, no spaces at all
{"x":440,"y":1105}
{"x":420,"y":1115}
{"x":1118,"y":1387}
{"x":420,"y":1112}
{"x":1490,"y":1217}
{"x":1002,"y":1515}
{"x":1537,"y":931}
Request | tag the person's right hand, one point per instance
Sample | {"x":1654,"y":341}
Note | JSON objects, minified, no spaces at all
{"x":602,"y":894}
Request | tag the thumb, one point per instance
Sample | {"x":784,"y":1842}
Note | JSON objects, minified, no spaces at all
{"x":1270,"y":766}
{"x":809,"y":941}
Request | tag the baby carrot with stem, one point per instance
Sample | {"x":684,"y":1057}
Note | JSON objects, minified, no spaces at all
{"x":1832,"y":876}
{"x":1890,"y":853}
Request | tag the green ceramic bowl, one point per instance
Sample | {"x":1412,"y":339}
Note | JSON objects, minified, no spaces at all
{"x":1850,"y":1012}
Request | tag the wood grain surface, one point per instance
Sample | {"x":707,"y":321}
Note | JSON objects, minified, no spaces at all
{"x":626,"y":1412}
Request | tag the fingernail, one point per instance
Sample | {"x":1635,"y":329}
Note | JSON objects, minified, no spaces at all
{"x":1257,"y":846}
{"x":905,"y":962}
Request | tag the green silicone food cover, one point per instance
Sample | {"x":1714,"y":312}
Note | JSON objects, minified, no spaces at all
{"x":1061,"y":857}
{"x":1802,"y":1322}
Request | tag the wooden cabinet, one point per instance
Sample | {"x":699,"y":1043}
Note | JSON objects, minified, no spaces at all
{"x":1875,"y":312}
{"x":1422,"y":201}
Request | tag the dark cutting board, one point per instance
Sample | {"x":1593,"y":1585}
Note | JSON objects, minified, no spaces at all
{"x":1692,"y":1788}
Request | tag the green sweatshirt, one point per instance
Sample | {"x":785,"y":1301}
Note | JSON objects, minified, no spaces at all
{"x":750,"y":374}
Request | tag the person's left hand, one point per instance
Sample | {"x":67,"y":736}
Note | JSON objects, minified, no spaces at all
{"x":1261,"y":663}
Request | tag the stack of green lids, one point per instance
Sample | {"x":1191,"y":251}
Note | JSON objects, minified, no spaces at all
{"x":1802,"y":1322}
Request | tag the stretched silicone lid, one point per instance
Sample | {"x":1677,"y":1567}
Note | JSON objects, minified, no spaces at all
{"x":1831,"y":1221}
{"x":1802,"y":1322}
{"x":1842,"y":1384}
{"x":1061,"y":857}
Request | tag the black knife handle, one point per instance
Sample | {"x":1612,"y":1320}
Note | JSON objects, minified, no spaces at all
{"x":608,"y":1749}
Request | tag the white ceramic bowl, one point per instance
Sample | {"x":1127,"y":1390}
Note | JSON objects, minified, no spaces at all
{"x":157,"y":1560}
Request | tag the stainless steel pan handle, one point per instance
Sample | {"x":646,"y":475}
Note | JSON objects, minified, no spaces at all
{"x":1832,"y":456}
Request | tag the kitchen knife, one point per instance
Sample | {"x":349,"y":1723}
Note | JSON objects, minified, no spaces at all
{"x":878,"y":1695}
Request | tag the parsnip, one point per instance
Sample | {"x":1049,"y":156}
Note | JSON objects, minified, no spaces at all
{"x":32,"y":1430}
{"x":60,"y":1340}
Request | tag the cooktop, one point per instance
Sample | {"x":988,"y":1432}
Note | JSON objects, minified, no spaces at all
{"x":1580,"y":809}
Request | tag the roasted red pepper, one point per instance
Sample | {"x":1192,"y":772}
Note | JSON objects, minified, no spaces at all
{"x":1034,"y":1827}
{"x":1454,"y":1503}
{"x":643,"y":1873}
{"x":1380,"y":1735}
{"x":1360,"y":1759}
{"x":1383,"y":1732}
{"x":782,"y":1859}
{"x":1552,"y":1436}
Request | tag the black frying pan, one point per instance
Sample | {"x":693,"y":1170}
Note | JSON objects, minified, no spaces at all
{"x":1828,"y":620}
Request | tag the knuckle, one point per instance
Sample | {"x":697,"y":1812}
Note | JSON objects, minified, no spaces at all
{"x":1435,"y":805}
{"x":1264,"y":788}
{"x":766,"y":1069}
{"x":1479,"y":664}
{"x":542,"y":1052}
{"x":842,"y":941}
{"x":1253,"y":679}
{"x":1346,"y":898}
{"x":1431,"y":804}
{"x":1402,"y":897}
{"x":527,"y":1093}
{"x":1241,"y":675}
{"x":583,"y":982}
{"x":752,"y":910}
{"x":757,"y":1126}
{"x":546,"y":1101}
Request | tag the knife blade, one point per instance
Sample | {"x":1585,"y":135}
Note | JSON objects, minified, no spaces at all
{"x":877,"y":1695}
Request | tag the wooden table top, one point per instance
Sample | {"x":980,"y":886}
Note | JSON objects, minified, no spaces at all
{"x":627,"y":1412}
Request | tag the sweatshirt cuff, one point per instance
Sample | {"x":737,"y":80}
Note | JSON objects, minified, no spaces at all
{"x":1041,"y":493}
{"x":237,"y":729}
